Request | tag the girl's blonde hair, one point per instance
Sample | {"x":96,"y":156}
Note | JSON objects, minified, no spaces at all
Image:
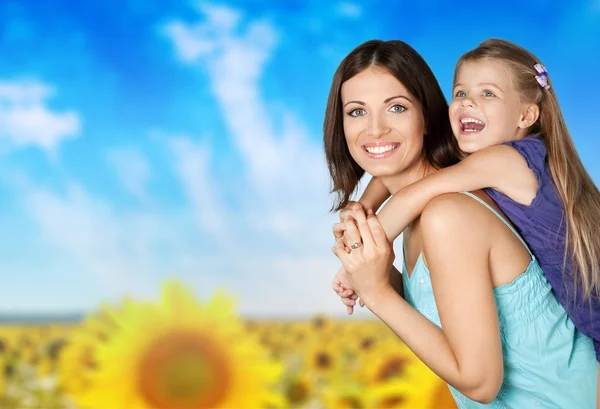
{"x":580,"y":196}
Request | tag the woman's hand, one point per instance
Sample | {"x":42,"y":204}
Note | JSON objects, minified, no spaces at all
{"x":345,"y":215}
{"x":367,"y":265}
{"x":340,"y":283}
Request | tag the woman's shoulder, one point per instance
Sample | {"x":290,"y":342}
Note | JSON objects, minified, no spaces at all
{"x":456,"y":223}
{"x":454,"y":205}
{"x":457,"y":212}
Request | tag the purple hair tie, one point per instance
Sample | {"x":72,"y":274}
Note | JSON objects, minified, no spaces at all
{"x":542,"y":79}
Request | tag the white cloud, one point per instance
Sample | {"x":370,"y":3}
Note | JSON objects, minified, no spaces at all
{"x":271,"y":247}
{"x":222,"y":17}
{"x":192,"y":167}
{"x":90,"y":232}
{"x":289,"y":286}
{"x":286,"y":168}
{"x":132,"y":253}
{"x":351,"y":10}
{"x":123,"y":252}
{"x":25,"y":120}
{"x":286,"y":199}
{"x":133,"y":171}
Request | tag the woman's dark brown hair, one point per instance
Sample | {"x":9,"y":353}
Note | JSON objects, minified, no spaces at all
{"x":404,"y":63}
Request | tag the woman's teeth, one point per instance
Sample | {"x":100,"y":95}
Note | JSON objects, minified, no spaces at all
{"x":380,"y":149}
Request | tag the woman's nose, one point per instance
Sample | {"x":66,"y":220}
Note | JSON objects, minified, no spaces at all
{"x":378,"y":127}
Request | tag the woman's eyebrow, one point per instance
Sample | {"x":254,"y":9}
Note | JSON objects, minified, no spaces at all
{"x":397,"y":96}
{"x":354,"y":102}
{"x":385,"y":102}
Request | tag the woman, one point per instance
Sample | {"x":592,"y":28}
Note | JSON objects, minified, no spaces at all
{"x":477,"y":309}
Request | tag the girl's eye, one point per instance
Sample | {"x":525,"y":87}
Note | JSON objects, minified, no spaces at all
{"x":488,"y":94}
{"x":357,"y":112}
{"x":460,"y":94}
{"x":397,"y":109}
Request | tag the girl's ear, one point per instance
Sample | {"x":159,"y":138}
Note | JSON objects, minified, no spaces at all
{"x":530,"y":116}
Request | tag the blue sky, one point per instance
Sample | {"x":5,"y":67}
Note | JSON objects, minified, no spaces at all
{"x":141,"y":140}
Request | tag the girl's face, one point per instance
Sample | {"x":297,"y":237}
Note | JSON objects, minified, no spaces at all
{"x":485,"y":109}
{"x":383,"y":123}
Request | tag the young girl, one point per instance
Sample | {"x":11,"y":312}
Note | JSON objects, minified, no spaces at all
{"x":505,"y":115}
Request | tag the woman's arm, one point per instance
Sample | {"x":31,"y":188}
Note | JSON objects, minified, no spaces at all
{"x":467,"y":352}
{"x":499,"y":167}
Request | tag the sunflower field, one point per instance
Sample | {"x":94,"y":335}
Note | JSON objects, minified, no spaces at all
{"x":179,"y":352}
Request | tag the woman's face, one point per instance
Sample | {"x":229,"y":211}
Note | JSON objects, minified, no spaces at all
{"x":383,"y":123}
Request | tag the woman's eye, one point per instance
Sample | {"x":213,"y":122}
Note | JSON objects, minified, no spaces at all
{"x":460,"y":94}
{"x":397,"y":108}
{"x":357,"y":112}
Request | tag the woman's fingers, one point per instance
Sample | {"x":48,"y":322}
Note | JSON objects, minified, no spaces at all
{"x":339,"y":249}
{"x":377,"y":232}
{"x":364,"y":229}
{"x":352,"y":238}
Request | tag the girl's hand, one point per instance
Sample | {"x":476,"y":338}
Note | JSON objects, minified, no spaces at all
{"x":348,"y":210}
{"x":341,"y":286}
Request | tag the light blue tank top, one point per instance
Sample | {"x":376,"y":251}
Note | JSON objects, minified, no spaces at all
{"x":548,"y":363}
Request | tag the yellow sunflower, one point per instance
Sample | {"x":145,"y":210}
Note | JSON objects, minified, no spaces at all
{"x":398,"y":379}
{"x":397,"y":395}
{"x":442,"y":398}
{"x":76,"y":364}
{"x":180,"y":354}
{"x":344,"y":393}
{"x":2,"y":374}
{"x":77,"y":357}
{"x":324,"y":360}
{"x":390,"y":361}
{"x":401,"y":394}
{"x":299,"y":390}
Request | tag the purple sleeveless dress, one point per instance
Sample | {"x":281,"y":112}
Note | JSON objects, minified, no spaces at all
{"x":543,"y":226}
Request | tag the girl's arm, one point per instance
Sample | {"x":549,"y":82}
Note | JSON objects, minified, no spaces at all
{"x":374,"y":195}
{"x":372,"y":198}
{"x":498,"y":167}
{"x":467,"y":352}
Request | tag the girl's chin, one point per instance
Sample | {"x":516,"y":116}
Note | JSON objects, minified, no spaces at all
{"x":469,"y":146}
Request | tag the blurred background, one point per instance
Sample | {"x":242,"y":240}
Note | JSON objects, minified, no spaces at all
{"x":163,"y":193}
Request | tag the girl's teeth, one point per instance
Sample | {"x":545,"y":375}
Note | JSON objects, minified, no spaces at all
{"x":471,"y":125}
{"x":471,"y":120}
